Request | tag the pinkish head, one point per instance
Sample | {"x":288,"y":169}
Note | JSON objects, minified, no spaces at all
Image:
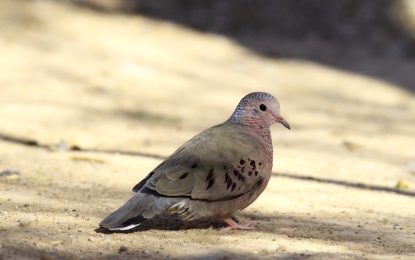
{"x":258,"y":108}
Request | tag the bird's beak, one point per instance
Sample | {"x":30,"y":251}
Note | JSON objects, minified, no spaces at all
{"x":281,"y":120}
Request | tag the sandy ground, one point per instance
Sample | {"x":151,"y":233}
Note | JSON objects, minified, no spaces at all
{"x":90,"y":102}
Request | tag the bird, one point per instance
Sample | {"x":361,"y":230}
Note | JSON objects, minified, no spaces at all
{"x":216,"y":173}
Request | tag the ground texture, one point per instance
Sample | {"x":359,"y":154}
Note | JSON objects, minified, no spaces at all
{"x":91,"y":102}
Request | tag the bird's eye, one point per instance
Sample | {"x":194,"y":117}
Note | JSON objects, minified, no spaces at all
{"x":263,"y":107}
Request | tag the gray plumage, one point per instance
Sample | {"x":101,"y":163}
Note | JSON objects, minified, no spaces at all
{"x":219,"y":171}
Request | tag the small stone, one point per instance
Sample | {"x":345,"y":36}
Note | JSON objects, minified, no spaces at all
{"x":282,"y":249}
{"x":10,"y":175}
{"x":402,"y":185}
{"x":122,"y":249}
{"x":56,"y":242}
{"x":24,"y":223}
{"x":350,"y":145}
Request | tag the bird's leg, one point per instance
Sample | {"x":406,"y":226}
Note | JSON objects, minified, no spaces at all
{"x":232,"y":225}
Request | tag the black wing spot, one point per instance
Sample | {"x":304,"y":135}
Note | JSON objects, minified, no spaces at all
{"x":211,"y":181}
{"x":228,"y":180}
{"x":236,"y":173}
{"x":194,"y":166}
{"x":210,"y":175}
{"x":256,"y":173}
{"x":241,"y":162}
{"x":250,"y":173}
{"x":233,"y":187}
{"x":252,"y":163}
{"x":228,"y":184}
{"x":184,"y":175}
{"x":243,"y":169}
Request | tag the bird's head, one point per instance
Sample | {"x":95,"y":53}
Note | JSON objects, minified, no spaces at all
{"x":258,"y":108}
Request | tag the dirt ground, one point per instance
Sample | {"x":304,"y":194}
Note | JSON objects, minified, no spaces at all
{"x":90,"y":103}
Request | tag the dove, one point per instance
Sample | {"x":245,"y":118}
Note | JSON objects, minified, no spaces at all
{"x":216,"y":173}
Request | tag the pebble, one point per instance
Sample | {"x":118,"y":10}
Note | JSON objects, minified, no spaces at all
{"x":24,"y":223}
{"x":122,"y":249}
{"x":281,"y":249}
{"x":56,"y":242}
{"x":402,"y":185}
{"x":350,"y":145}
{"x":10,"y":175}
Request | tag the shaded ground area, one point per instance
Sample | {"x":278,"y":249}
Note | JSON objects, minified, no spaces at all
{"x":375,"y":37}
{"x":84,"y":118}
{"x":364,"y":37}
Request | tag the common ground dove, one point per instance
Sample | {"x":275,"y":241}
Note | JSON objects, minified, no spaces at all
{"x":216,"y":173}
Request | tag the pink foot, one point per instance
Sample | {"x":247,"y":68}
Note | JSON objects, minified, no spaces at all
{"x":235,"y":226}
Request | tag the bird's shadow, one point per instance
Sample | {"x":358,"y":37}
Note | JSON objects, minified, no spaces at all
{"x":170,"y":222}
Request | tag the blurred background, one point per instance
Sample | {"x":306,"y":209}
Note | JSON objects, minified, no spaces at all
{"x":93,"y":93}
{"x":372,"y":37}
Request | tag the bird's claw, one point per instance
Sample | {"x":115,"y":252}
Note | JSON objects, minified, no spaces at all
{"x":232,"y":225}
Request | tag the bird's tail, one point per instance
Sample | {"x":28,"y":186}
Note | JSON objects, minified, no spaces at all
{"x":138,"y":208}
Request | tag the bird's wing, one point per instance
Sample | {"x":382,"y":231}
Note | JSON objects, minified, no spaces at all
{"x":221,"y":163}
